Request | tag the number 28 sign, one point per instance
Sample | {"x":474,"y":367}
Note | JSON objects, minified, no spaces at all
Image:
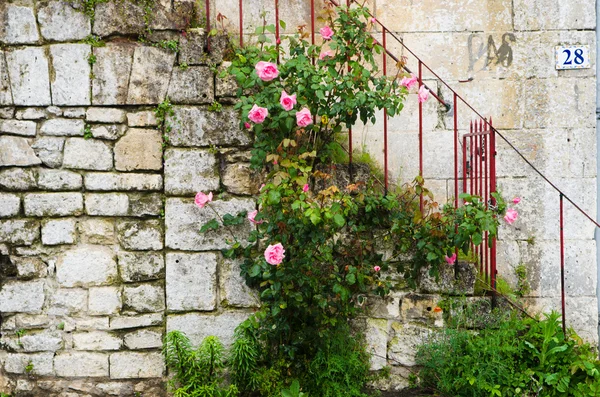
{"x":573,"y":57}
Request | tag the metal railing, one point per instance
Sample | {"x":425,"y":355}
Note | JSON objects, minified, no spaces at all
{"x":478,"y":145}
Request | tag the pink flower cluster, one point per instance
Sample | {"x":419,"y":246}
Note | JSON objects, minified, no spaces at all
{"x":511,"y":214}
{"x":410,"y":82}
{"x":326,"y":32}
{"x":252,"y":216}
{"x":266,"y":71}
{"x":450,"y":259}
{"x":274,"y":254}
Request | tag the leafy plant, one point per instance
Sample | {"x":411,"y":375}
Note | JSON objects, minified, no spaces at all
{"x":215,"y":107}
{"x":94,"y":41}
{"x":172,"y":45}
{"x":518,"y":357}
{"x":197,"y":372}
{"x":293,"y":391}
{"x":87,"y":131}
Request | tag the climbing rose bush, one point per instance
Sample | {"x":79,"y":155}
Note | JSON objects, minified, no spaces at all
{"x":316,"y":251}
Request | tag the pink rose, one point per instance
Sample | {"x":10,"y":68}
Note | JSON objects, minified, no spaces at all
{"x":266,"y":71}
{"x":247,"y":125}
{"x":261,"y":187}
{"x":423,"y":94}
{"x":258,"y":114}
{"x":373,"y":20}
{"x":326,"y":32}
{"x":305,"y":188}
{"x":409,"y":82}
{"x":511,"y":216}
{"x":251,"y":217}
{"x":325,"y":54}
{"x":202,"y":199}
{"x":303,"y":117}
{"x":274,"y":254}
{"x":450,"y":260}
{"x":516,"y":200}
{"x":376,"y":268}
{"x":287,"y":101}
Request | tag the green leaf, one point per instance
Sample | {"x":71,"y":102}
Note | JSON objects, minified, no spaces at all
{"x":282,"y":24}
{"x":274,"y":197}
{"x":351,"y":279}
{"x":339,"y":220}
{"x":213,"y":224}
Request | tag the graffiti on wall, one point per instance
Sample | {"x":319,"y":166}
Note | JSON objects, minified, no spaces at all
{"x":486,"y":54}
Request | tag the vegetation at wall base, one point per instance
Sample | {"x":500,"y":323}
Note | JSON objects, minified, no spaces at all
{"x":514,"y":356}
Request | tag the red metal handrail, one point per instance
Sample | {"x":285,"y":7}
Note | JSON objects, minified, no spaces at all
{"x":481,"y":128}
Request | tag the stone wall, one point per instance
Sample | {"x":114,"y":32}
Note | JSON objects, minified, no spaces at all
{"x":100,"y":250}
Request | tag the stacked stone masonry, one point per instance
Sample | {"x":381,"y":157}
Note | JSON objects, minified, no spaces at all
{"x":100,"y":250}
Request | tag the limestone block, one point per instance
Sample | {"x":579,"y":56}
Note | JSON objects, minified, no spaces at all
{"x":194,"y":126}
{"x":239,"y":179}
{"x":150,"y":75}
{"x":87,"y":154}
{"x":18,"y":127}
{"x":68,"y":301}
{"x":71,"y":79}
{"x":452,"y":280}
{"x":143,"y":339}
{"x":62,"y":127}
{"x":59,"y":21}
{"x":191,"y":281}
{"x":5,"y":91}
{"x":107,"y":181}
{"x":198,"y":326}
{"x":49,"y":150}
{"x":139,"y":149}
{"x":18,"y":24}
{"x":140,"y":235}
{"x":431,"y":15}
{"x":17,"y":179}
{"x":9,"y":205}
{"x":106,"y":204}
{"x":376,"y":339}
{"x":96,"y":341}
{"x":22,"y":296}
{"x":59,"y":180}
{"x":97,"y":231}
{"x":30,"y":114}
{"x":81,"y":364}
{"x":15,"y":363}
{"x":29,"y":76}
{"x":104,"y":300}
{"x":144,"y":298}
{"x":421,"y":308}
{"x":29,"y":267}
{"x":86,"y":265}
{"x":194,"y":85}
{"x":149,"y":204}
{"x":183,"y":220}
{"x":191,"y":48}
{"x":91,"y":323}
{"x":555,"y":14}
{"x":105,"y":115}
{"x":143,"y":118}
{"x":115,"y":388}
{"x":118,"y":18}
{"x":126,"y":365}
{"x":233,"y":290}
{"x":53,"y":204}
{"x":190,"y":171}
{"x":111,"y":132}
{"x":406,"y":340}
{"x":111,"y":73}
{"x":58,"y":231}
{"x":225,"y":86}
{"x":548,"y":100}
{"x":19,"y":232}
{"x":54,"y":111}
{"x":141,"y":266}
{"x":74,"y":113}
{"x":145,"y":320}
{"x":32,"y":321}
{"x":16,"y":151}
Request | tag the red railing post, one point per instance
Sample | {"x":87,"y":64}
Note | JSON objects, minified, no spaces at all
{"x":385,"y":121}
{"x":492,"y":159}
{"x":207,"y":4}
{"x":455,"y":151}
{"x":562,"y":265}
{"x":241,"y":24}
{"x":420,"y":133}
